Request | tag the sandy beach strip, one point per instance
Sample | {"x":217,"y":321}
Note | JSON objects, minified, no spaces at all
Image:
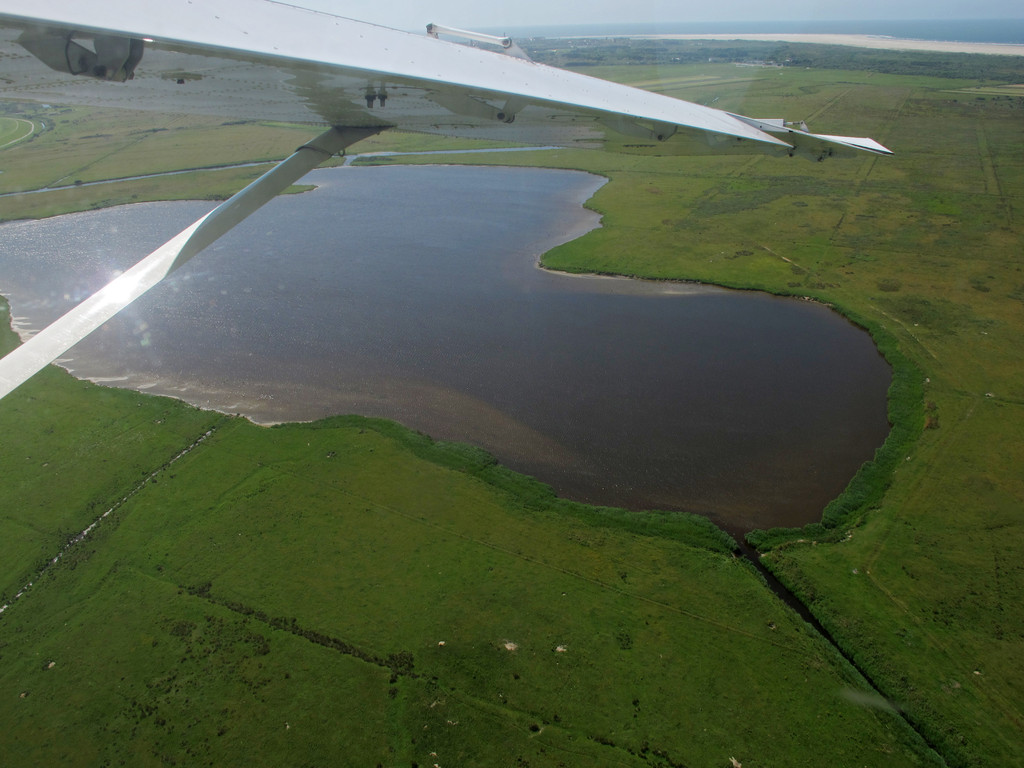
{"x":858,"y":41}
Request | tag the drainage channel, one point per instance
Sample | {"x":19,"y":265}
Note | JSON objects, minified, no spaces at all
{"x":783,"y":593}
{"x":80,"y":537}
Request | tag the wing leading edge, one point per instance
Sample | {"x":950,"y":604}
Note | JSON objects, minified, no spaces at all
{"x":268,"y":60}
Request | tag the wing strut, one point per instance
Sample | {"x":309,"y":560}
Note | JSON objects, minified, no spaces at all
{"x":51,"y":342}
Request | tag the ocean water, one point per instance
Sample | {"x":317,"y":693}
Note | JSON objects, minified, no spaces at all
{"x":1010,"y":31}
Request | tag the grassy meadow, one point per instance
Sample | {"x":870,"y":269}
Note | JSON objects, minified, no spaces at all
{"x":921,"y":581}
{"x":13,"y":130}
{"x":348,"y":592}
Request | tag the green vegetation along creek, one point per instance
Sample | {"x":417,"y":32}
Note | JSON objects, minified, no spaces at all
{"x":348,"y":592}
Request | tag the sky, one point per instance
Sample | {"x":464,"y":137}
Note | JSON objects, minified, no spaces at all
{"x":415,"y":14}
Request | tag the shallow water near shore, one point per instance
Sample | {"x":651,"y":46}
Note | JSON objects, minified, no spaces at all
{"x":413,"y":293}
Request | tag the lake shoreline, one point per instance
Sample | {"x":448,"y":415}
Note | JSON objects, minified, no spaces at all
{"x":549,"y":446}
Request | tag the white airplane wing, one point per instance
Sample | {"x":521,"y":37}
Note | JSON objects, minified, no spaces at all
{"x":272,"y":61}
{"x":268,"y":60}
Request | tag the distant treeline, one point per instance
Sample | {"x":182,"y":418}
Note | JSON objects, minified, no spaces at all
{"x":587,"y":52}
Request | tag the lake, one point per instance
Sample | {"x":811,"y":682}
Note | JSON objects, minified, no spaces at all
{"x":413,"y":293}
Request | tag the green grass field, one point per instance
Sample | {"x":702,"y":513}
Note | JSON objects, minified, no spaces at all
{"x":924,"y":585}
{"x":349,"y":592}
{"x":13,"y":130}
{"x":286,"y":592}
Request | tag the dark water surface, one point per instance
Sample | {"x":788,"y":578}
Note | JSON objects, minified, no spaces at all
{"x":413,"y":293}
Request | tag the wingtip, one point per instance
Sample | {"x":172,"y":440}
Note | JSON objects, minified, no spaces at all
{"x":857,"y":142}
